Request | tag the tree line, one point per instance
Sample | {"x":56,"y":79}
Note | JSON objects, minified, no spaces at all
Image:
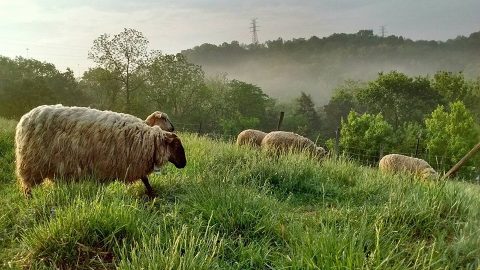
{"x":394,"y":112}
{"x":316,"y":65}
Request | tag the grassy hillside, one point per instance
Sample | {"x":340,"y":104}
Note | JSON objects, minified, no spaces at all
{"x":236,"y":208}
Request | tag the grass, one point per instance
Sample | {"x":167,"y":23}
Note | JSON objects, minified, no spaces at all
{"x":238,"y":208}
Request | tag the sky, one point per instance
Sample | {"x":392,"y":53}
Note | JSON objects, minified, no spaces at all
{"x":62,"y":32}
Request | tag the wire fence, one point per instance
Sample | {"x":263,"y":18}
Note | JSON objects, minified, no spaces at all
{"x":369,"y":157}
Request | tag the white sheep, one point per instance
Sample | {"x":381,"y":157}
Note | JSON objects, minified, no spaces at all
{"x":250,"y":137}
{"x":284,"y":141}
{"x":395,"y":163}
{"x":70,"y":143}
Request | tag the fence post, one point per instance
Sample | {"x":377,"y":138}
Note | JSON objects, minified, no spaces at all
{"x":199,"y":128}
{"x":418,"y":143}
{"x":337,"y":141}
{"x":280,"y":120}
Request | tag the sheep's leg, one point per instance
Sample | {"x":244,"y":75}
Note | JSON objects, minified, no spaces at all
{"x":149,"y":188}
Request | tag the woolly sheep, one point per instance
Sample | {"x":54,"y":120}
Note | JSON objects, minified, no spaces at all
{"x":250,"y":137}
{"x":282,"y":141}
{"x":75,"y":142}
{"x":399,"y":163}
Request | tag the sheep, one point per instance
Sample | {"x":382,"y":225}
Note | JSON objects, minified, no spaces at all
{"x":283,"y":141}
{"x":75,"y":142}
{"x":250,"y":137}
{"x":160,"y":119}
{"x":395,"y":163}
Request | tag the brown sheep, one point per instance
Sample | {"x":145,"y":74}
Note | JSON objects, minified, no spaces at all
{"x":71,"y":143}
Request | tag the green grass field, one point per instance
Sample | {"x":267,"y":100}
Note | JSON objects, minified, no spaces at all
{"x":234,"y":208}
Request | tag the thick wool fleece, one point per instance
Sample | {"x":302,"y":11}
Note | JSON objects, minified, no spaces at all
{"x":282,"y":141}
{"x":74,"y":142}
{"x":250,"y":137}
{"x":395,"y":163}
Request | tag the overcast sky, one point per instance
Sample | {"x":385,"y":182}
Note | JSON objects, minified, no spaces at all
{"x":62,"y":32}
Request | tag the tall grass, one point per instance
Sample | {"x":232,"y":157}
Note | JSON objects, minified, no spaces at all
{"x":239,"y":208}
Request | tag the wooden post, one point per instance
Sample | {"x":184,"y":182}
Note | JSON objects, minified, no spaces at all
{"x":200,"y":128}
{"x":416,"y":147}
{"x":459,"y":164}
{"x":279,"y":125}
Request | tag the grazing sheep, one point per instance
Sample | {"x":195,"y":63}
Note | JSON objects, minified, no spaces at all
{"x":160,"y":119}
{"x":76,"y":142}
{"x":399,"y":163}
{"x":251,"y":137}
{"x":283,"y":141}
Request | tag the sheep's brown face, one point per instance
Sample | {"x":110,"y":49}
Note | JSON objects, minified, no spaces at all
{"x":160,"y":119}
{"x":175,"y":150}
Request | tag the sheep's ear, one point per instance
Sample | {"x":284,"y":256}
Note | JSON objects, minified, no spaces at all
{"x":150,"y":120}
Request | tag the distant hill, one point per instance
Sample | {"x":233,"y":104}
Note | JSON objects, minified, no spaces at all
{"x":283,"y":68}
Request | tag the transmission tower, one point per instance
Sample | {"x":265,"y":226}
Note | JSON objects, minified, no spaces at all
{"x":383,"y":30}
{"x":254,"y":30}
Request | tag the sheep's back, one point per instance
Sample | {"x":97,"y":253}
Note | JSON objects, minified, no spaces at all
{"x":282,"y":140}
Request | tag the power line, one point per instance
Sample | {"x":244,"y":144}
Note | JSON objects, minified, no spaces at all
{"x":383,"y":30}
{"x":254,"y":30}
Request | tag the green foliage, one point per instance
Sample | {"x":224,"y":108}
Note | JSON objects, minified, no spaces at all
{"x":454,"y":87}
{"x":451,"y":134}
{"x":305,"y":110}
{"x":27,"y":83}
{"x":365,"y":135}
{"x":7,"y":153}
{"x":177,"y":86}
{"x":407,"y":137}
{"x":125,"y":57}
{"x":232,"y":126}
{"x":342,"y":102}
{"x":399,"y":98}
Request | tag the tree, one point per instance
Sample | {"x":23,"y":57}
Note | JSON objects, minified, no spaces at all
{"x":454,"y":87}
{"x":27,"y":83}
{"x":245,"y":107}
{"x":125,"y":57}
{"x":305,"y":108}
{"x":399,"y":98}
{"x":450,"y":135}
{"x":103,"y":90}
{"x":342,"y":102}
{"x":178,"y":86}
{"x":406,"y":138}
{"x":365,"y":135}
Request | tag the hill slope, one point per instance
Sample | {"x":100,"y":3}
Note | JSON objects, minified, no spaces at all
{"x":236,"y":208}
{"x":317,"y":65}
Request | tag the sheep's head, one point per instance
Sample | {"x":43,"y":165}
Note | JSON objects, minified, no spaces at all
{"x":160,"y":119}
{"x":320,"y":152}
{"x":175,"y":150}
{"x":429,"y":173}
